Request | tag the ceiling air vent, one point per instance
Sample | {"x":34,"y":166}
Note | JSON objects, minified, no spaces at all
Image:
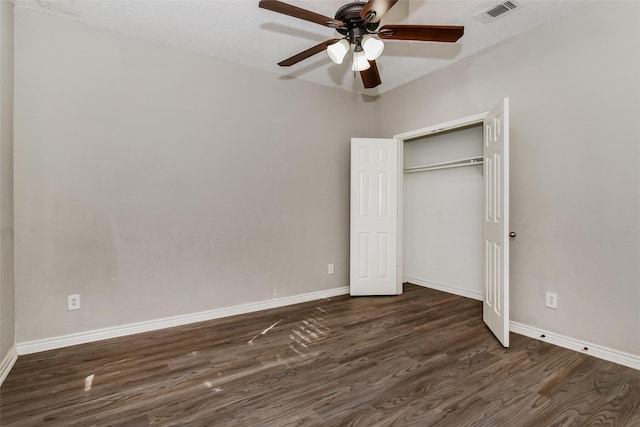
{"x":497,"y":11}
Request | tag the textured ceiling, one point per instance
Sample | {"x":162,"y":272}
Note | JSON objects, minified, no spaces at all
{"x":239,"y":31}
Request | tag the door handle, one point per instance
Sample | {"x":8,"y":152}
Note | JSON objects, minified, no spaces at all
{"x":512,"y":234}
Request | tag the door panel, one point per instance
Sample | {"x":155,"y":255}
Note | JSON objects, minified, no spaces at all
{"x":374,"y":217}
{"x":496,"y":221}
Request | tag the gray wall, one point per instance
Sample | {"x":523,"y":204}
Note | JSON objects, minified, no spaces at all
{"x":155,"y":182}
{"x":7,"y":284}
{"x":574,"y":86}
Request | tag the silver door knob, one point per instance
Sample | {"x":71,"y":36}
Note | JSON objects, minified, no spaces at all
{"x":512,"y":234}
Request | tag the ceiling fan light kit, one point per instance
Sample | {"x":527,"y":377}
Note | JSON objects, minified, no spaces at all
{"x":338,"y":50}
{"x":372,"y":47}
{"x":360,"y":62}
{"x":358,"y":22}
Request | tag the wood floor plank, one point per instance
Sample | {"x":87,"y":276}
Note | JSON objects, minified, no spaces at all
{"x":422,"y":358}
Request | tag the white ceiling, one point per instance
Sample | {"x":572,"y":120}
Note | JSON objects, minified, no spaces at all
{"x":239,"y":31}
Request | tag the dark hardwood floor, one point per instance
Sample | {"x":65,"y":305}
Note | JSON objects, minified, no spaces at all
{"x":424,"y":358}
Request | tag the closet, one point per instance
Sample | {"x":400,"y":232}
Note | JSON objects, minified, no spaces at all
{"x":431,"y":206}
{"x":442,"y":211}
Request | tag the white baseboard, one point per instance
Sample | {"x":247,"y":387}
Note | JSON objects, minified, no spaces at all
{"x":168,"y":322}
{"x":605,"y":353}
{"x":611,"y":355}
{"x":7,"y":363}
{"x":445,"y":288}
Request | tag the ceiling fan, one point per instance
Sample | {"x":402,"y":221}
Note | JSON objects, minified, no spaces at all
{"x":358,"y":22}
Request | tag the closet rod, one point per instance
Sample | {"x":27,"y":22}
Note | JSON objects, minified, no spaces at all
{"x":471,"y":161}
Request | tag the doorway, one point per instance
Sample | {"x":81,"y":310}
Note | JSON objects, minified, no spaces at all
{"x":376,"y":235}
{"x":442,"y":211}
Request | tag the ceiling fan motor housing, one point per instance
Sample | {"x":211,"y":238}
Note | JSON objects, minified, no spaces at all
{"x":354,"y":27}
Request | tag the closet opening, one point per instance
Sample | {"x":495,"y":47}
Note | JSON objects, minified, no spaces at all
{"x":453,"y":216}
{"x":442,"y":187}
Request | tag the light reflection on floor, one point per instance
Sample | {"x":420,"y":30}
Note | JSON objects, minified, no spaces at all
{"x":88,"y":382}
{"x":303,"y":336}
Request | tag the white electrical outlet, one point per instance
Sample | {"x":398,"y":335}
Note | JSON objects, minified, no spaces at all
{"x":73,"y":302}
{"x":552,"y":300}
{"x":330,"y":269}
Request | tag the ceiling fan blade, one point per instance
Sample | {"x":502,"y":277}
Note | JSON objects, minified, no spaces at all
{"x":307,"y":53}
{"x":297,"y":12}
{"x":424,"y":33}
{"x":374,"y":10}
{"x":370,"y":76}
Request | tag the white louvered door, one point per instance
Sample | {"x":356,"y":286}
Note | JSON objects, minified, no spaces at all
{"x":496,"y":221}
{"x":374,"y":217}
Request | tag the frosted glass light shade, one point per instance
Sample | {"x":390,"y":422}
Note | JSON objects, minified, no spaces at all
{"x":338,"y":50}
{"x":360,"y":62}
{"x":372,"y":47}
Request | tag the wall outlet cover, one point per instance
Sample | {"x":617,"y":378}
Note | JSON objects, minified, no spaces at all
{"x":551,"y":300}
{"x":73,"y":302}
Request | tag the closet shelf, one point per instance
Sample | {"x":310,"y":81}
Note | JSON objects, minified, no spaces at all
{"x":470,"y":161}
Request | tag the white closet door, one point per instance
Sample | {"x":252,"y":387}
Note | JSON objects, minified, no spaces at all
{"x":374,"y":217}
{"x":496,"y":221}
